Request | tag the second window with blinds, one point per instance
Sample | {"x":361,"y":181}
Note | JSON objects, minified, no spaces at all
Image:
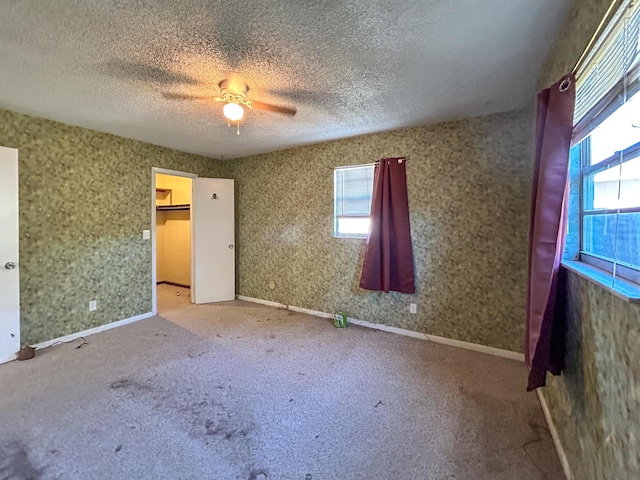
{"x":353,"y":188}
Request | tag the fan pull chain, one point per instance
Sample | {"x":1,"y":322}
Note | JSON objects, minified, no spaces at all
{"x":237,"y":126}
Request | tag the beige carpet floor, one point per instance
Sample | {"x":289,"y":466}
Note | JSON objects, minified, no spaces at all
{"x":171,"y":297}
{"x":242,"y":391}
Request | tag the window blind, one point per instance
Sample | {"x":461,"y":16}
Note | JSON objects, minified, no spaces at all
{"x":354,"y":186}
{"x":602,"y":83}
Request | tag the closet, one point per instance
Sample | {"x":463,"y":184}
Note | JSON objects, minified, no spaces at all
{"x":173,"y":230}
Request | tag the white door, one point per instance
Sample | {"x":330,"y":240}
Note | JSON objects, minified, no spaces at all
{"x":213,"y":240}
{"x":9,"y":279}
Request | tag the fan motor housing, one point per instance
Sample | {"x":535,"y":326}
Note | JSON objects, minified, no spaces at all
{"x":229,"y":87}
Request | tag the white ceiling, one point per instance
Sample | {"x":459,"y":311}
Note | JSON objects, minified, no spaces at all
{"x":349,"y":67}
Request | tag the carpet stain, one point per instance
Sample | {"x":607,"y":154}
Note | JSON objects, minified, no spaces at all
{"x":258,"y":475}
{"x":128,"y":383}
{"x":539,"y":429}
{"x":192,"y":410}
{"x":210,"y":428}
{"x":190,"y":355}
{"x":122,"y":383}
{"x":222,"y":430}
{"x":16,"y":464}
{"x":194,"y":407}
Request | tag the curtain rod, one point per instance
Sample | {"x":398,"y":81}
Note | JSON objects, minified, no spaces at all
{"x":373,"y":164}
{"x":402,"y":159}
{"x":613,"y":8}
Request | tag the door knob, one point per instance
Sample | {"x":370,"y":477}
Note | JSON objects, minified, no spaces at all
{"x":230,"y":246}
{"x":9,"y":265}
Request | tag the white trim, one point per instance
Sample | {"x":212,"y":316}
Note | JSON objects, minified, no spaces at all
{"x":175,"y":173}
{"x":154,"y":286}
{"x":498,"y":352}
{"x":554,"y":435}
{"x":620,"y":287}
{"x":91,"y":331}
{"x":261,"y":302}
{"x":310,"y":312}
{"x":154,"y":273}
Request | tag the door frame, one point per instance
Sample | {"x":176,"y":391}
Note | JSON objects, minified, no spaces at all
{"x":154,"y":256}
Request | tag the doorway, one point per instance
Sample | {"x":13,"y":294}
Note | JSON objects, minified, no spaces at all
{"x":173,"y":200}
{"x":193,"y":238}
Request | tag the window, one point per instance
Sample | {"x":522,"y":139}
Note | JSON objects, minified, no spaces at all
{"x":605,"y":161}
{"x":353,"y":187}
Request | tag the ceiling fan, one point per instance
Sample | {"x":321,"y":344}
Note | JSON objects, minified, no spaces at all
{"x":233,"y":92}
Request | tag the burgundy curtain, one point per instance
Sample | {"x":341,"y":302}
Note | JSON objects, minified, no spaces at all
{"x":388,"y":258}
{"x":544,"y":348}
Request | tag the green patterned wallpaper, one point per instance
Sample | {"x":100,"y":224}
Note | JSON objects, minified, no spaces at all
{"x":469,"y":184}
{"x":84,"y":201}
{"x":595,"y":403}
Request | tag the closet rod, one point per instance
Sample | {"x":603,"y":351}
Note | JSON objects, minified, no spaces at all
{"x":173,"y":207}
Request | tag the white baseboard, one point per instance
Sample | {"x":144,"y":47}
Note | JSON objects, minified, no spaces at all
{"x":261,"y":302}
{"x":85,"y":333}
{"x":554,"y":435}
{"x":315,"y":313}
{"x":399,"y":331}
{"x":497,"y":352}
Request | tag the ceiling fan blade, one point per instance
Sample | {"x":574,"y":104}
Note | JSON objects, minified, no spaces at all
{"x":274,"y":108}
{"x":180,"y":96}
{"x":144,"y":72}
{"x":303,"y":96}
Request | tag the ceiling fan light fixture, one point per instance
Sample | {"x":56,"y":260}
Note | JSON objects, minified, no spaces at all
{"x":233,"y":111}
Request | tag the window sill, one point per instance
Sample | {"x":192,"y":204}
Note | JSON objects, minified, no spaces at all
{"x":351,"y":237}
{"x":627,"y":291}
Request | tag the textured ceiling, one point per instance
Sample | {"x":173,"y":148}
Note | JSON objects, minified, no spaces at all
{"x":349,"y":67}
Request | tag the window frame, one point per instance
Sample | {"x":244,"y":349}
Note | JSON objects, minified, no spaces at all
{"x":620,"y":269}
{"x":613,"y":62}
{"x":336,"y":217}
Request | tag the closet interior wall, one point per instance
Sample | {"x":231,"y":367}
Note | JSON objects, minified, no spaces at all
{"x":173,"y":229}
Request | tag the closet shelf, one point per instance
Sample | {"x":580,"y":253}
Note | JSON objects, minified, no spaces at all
{"x":173,"y":207}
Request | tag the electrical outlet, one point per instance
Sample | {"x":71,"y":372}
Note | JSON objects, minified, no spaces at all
{"x":272,"y":285}
{"x":146,"y":234}
{"x":93,"y":305}
{"x":413,"y":308}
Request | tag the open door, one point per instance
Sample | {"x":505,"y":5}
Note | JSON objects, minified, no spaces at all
{"x":9,"y":278}
{"x":213,"y":247}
